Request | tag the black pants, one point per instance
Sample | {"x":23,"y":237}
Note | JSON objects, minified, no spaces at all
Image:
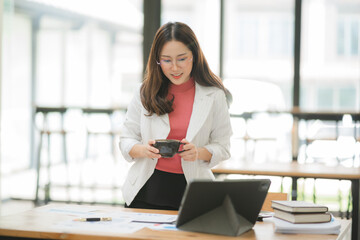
{"x":163,"y":190}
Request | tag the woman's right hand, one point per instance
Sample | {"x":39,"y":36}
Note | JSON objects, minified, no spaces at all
{"x":151,"y":151}
{"x":145,"y":150}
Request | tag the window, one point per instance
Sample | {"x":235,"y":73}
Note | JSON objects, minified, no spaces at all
{"x":347,"y":98}
{"x":348,"y":36}
{"x":15,"y":91}
{"x":330,"y":57}
{"x":203,"y":17}
{"x":79,"y":58}
{"x":258,"y":43}
{"x":325,"y":98}
{"x":281,"y":37}
{"x":247,"y":38}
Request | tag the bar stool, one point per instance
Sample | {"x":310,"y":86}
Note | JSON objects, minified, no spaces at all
{"x":336,"y":119}
{"x":88,"y":112}
{"x":109,"y":131}
{"x":248,"y":136}
{"x":46,"y":131}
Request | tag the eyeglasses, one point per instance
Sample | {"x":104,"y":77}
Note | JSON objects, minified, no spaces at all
{"x":181,"y":62}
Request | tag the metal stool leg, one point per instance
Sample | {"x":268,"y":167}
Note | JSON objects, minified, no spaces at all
{"x":314,"y":191}
{"x":348,"y":212}
{"x":340,"y":198}
{"x":65,"y":156}
{"x":47,"y":186}
{"x":38,"y":163}
{"x":87,"y":147}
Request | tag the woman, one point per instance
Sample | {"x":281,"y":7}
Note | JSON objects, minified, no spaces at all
{"x":180,"y":98}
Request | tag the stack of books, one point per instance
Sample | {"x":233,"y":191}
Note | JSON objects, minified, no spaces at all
{"x":303,"y":217}
{"x":301,"y":212}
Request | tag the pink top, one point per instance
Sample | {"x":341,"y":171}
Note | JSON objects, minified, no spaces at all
{"x":179,"y":122}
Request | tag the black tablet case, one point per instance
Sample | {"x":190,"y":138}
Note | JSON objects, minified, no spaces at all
{"x":222,"y":207}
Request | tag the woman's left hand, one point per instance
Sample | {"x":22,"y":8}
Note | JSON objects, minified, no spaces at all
{"x":191,"y":152}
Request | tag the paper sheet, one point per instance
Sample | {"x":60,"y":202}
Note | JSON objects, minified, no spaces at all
{"x":117,"y":225}
{"x":122,"y":222}
{"x":281,"y":226}
{"x":70,"y":210}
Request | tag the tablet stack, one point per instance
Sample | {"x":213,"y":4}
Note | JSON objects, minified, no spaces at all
{"x":301,"y":212}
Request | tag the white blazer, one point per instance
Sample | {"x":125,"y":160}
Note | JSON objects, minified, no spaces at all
{"x":209,"y":127}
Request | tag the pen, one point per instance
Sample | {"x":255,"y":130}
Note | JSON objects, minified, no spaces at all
{"x":93,"y":219}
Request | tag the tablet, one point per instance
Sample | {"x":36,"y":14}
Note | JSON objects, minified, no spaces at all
{"x":228,"y":207}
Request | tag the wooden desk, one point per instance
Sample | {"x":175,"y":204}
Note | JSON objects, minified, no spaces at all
{"x":295,"y":171}
{"x":38,"y":224}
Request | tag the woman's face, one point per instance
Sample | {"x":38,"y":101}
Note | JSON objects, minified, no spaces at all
{"x":176,"y":62}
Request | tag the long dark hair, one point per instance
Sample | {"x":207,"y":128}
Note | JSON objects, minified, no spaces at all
{"x":154,"y":89}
